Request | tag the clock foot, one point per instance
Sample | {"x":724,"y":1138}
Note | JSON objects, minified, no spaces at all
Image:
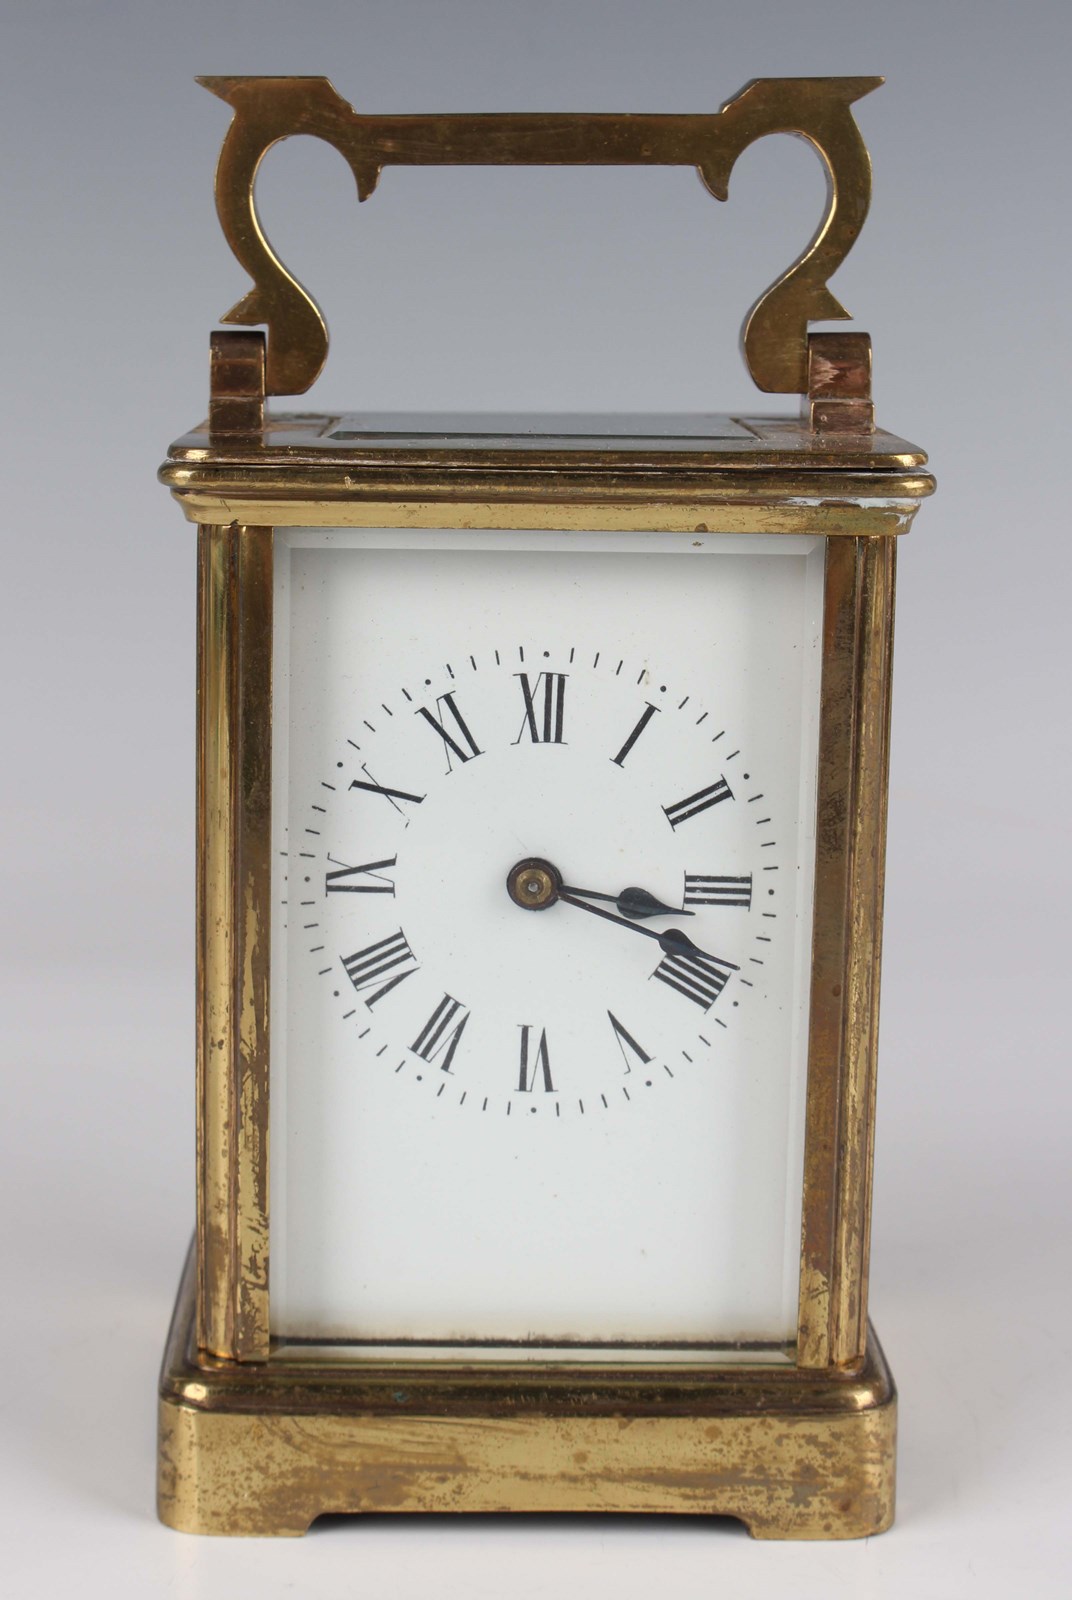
{"x":264,"y":1449}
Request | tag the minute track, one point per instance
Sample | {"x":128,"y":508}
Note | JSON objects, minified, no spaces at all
{"x":404,"y":781}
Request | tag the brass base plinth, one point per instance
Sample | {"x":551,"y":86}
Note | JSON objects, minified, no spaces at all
{"x":265,"y":1449}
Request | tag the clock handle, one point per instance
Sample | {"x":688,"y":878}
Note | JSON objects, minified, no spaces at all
{"x":778,"y":351}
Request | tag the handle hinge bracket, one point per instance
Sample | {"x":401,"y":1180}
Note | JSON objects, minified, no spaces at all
{"x":839,"y":384}
{"x":237,"y":382}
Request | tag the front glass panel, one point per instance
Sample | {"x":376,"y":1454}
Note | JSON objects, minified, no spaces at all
{"x":574,"y":1124}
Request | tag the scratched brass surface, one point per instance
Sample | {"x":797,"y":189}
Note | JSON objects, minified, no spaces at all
{"x":846,"y":950}
{"x":266,"y":1449}
{"x":236,"y":387}
{"x":708,"y":445}
{"x":735,"y":514}
{"x":849,"y":1462}
{"x":235,"y":719}
{"x":234,"y":917}
{"x":234,"y":705}
{"x":775,"y":333}
{"x":251,"y":1441}
{"x":775,"y":477}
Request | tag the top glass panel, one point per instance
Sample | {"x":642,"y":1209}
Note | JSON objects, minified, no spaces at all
{"x":679,"y":431}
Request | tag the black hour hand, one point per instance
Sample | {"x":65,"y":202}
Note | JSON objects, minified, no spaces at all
{"x":672,"y":942}
{"x":636,"y":904}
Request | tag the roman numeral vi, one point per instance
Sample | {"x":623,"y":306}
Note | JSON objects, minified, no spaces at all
{"x":534,"y":1061}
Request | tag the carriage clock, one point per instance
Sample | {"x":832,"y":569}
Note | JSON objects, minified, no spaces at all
{"x":540,"y":824}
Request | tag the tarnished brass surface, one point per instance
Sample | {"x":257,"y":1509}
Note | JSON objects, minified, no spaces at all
{"x":775,"y":334}
{"x":234,"y":845}
{"x":305,"y":443}
{"x":234,"y":700}
{"x":215,"y":924}
{"x":533,"y":884}
{"x":846,"y":948}
{"x":236,"y":387}
{"x":772,"y":476}
{"x":735,"y":513}
{"x":266,"y":1449}
{"x":251,"y":1443}
{"x":839,"y":384}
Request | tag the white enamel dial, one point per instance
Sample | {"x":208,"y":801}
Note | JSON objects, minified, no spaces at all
{"x":544,"y":830}
{"x":528,"y":753}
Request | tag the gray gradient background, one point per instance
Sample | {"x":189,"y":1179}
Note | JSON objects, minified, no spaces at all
{"x":584,"y":290}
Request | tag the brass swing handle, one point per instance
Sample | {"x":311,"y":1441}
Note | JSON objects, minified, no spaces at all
{"x":775,"y":332}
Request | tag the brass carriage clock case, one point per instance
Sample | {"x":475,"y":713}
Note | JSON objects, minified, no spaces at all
{"x":252,"y":1439}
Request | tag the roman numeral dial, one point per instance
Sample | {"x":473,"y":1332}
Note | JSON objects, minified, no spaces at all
{"x":535,"y":882}
{"x":452,"y":728}
{"x":369,"y":785}
{"x":442,"y":1033}
{"x":545,"y":707}
{"x":380,"y":967}
{"x":693,"y":804}
{"x":704,"y":890}
{"x":699,"y":977}
{"x":535,"y":1061}
{"x":632,"y":1053}
{"x":645,"y":717}
{"x":372,"y":878}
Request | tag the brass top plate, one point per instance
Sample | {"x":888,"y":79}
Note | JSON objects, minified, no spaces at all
{"x":625,"y":442}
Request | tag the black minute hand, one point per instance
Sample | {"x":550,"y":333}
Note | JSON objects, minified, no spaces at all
{"x":672,"y":942}
{"x":631,"y":903}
